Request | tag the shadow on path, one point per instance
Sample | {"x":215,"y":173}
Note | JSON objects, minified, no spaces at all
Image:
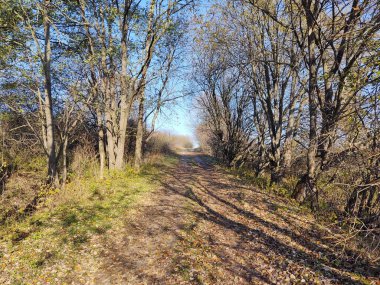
{"x":292,"y":256}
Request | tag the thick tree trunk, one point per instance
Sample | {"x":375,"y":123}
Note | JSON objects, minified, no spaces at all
{"x":306,"y":187}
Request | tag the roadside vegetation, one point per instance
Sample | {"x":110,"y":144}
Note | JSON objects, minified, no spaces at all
{"x":290,"y":100}
{"x":47,"y":245}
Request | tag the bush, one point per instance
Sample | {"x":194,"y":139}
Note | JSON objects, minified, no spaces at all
{"x":84,"y":162}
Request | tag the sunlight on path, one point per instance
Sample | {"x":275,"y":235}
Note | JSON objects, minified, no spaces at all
{"x":203,"y":227}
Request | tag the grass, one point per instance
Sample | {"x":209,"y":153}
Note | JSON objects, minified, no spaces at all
{"x":47,"y":245}
{"x":247,"y":176}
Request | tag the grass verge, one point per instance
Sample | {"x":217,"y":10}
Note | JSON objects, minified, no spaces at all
{"x":47,"y":246}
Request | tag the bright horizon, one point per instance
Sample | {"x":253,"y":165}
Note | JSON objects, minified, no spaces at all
{"x":177,"y":120}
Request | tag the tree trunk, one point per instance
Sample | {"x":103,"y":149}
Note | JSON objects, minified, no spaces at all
{"x":96,"y":93}
{"x":307,"y":185}
{"x":64,"y":160}
{"x":275,"y":158}
{"x":125,"y":98}
{"x":149,"y":48}
{"x":102,"y":154}
{"x":49,"y":117}
{"x":110,"y":139}
{"x":290,"y":128}
{"x":139,"y":134}
{"x":313,"y":140}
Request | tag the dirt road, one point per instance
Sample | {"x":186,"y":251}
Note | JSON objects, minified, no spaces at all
{"x":204,"y":226}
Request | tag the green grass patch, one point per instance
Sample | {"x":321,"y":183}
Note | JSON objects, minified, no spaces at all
{"x":262,"y":182}
{"x":68,"y":220}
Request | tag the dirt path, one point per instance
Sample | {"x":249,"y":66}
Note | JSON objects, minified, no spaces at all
{"x":204,"y":227}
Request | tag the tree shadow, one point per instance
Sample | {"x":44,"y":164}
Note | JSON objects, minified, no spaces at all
{"x":326,"y":267}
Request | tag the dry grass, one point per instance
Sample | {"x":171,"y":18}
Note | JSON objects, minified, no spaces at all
{"x":164,"y":143}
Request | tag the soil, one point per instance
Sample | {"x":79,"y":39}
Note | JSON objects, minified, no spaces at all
{"x":204,"y":226}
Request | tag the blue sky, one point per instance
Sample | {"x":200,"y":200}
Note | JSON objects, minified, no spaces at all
{"x":181,"y":118}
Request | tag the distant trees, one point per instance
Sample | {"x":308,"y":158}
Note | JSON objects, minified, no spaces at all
{"x":226,"y":105}
{"x":266,"y":65}
{"x":306,"y":72}
{"x":10,"y":36}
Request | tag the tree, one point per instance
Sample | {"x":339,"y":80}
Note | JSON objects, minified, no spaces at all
{"x":332,"y":37}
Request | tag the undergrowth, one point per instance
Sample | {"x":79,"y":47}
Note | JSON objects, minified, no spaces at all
{"x":247,"y":176}
{"x":328,"y":214}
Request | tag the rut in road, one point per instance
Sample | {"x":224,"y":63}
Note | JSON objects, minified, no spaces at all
{"x":204,"y":226}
